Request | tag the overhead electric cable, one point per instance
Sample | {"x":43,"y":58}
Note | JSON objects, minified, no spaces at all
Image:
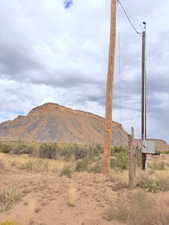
{"x":128,"y":18}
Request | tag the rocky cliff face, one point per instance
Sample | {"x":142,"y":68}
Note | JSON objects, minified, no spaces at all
{"x":54,"y":123}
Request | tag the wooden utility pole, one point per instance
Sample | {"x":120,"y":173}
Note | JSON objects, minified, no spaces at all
{"x":143,"y":100}
{"x":109,"y":90}
{"x":132,"y":160}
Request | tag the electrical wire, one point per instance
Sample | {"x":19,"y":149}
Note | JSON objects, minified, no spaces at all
{"x":128,"y":18}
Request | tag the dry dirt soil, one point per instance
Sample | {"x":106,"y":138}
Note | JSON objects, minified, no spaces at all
{"x":46,"y":198}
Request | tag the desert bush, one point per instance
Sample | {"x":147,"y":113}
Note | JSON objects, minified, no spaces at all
{"x":136,"y":209}
{"x":8,"y":198}
{"x":17,"y":147}
{"x":48,"y":151}
{"x":94,"y":151}
{"x":149,"y":184}
{"x":66,"y":152}
{"x":153,"y":184}
{"x":35,"y":165}
{"x":66,"y":171}
{"x":80,"y":152}
{"x":120,"y":160}
{"x":20,"y":147}
{"x":158,"y":166}
{"x":5,"y":148}
{"x":96,"y":167}
{"x":52,"y":150}
{"x":82,"y":165}
{"x":118,"y":149}
{"x":119,"y":210}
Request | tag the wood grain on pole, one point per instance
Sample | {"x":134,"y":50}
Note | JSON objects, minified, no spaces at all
{"x":109,"y":90}
{"x":132,"y":160}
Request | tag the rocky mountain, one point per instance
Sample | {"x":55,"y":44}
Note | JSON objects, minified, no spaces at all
{"x":54,"y":123}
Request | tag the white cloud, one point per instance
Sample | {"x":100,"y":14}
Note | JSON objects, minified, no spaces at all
{"x":48,"y":53}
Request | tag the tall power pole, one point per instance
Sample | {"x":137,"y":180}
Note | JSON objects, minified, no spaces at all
{"x":143,"y":100}
{"x":109,"y":89}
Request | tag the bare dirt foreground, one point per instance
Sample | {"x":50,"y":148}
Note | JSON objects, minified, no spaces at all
{"x":45,"y":198}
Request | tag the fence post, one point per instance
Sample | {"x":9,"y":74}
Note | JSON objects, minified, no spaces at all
{"x":132,"y":159}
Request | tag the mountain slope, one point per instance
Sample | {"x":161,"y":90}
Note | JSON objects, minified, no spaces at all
{"x":54,"y":123}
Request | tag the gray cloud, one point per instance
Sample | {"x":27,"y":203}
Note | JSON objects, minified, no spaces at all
{"x":51,"y":54}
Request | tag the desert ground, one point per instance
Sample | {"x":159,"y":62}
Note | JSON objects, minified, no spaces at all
{"x":42,"y":192}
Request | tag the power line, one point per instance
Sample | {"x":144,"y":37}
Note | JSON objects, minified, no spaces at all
{"x":128,"y":17}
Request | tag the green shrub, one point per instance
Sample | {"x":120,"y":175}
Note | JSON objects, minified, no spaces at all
{"x":80,"y":152}
{"x":118,"y":149}
{"x":20,"y":147}
{"x":120,"y":160}
{"x":94,"y":151}
{"x":149,"y":184}
{"x":17,"y":147}
{"x":48,"y":151}
{"x":67,"y":151}
{"x":82,"y":165}
{"x":153,"y":184}
{"x":5,"y":148}
{"x":66,"y":171}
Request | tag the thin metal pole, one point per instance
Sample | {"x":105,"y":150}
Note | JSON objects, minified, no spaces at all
{"x":143,"y":100}
{"x":109,"y":90}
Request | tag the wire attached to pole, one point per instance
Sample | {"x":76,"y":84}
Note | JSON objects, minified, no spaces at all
{"x":128,"y":18}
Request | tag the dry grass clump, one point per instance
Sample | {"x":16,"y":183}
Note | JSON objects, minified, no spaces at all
{"x":137,"y":209}
{"x":66,"y":171}
{"x":72,"y":196}
{"x":119,"y":210}
{"x":153,"y":183}
{"x":8,"y":197}
{"x":119,"y":179}
{"x":149,"y":183}
{"x":35,"y":165}
{"x":82,"y":165}
{"x":158,"y":165}
{"x":8,"y":223}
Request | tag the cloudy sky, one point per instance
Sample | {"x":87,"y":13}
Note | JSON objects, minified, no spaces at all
{"x":52,"y":54}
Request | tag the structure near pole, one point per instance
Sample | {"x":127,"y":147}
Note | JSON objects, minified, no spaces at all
{"x":109,"y":89}
{"x":143,"y":100}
